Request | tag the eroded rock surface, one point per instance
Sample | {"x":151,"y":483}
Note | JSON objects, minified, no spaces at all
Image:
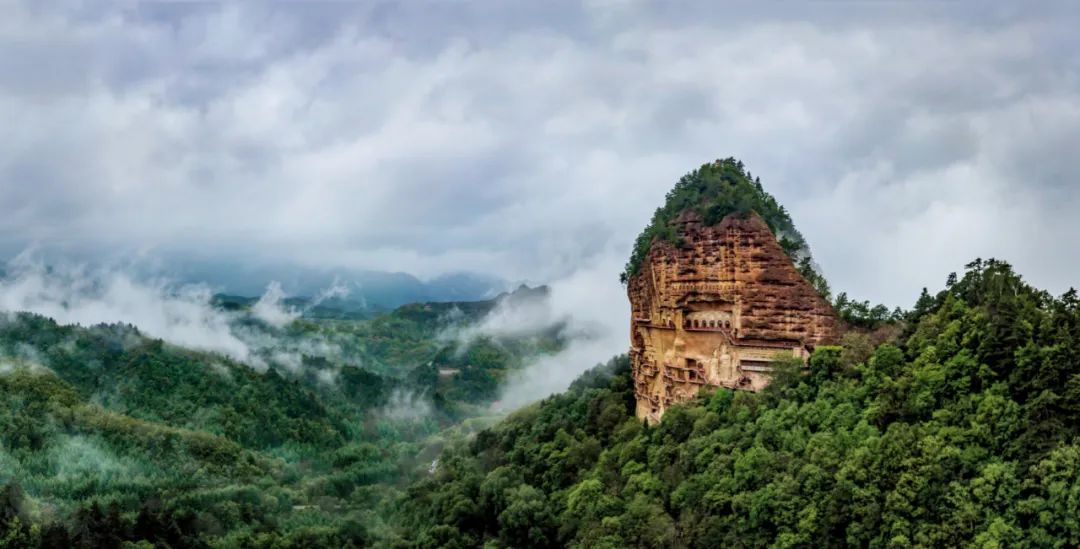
{"x":719,"y":309}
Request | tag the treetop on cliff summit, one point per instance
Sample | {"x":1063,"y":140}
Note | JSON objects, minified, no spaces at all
{"x":714,"y":191}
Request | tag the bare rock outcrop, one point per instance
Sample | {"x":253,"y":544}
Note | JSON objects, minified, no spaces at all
{"x":719,"y":309}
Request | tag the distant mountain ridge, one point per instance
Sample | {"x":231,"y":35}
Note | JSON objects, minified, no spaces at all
{"x":344,"y":308}
{"x":351,"y":289}
{"x":364,"y":289}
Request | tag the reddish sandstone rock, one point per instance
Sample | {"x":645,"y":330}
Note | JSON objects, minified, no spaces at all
{"x":719,"y":308}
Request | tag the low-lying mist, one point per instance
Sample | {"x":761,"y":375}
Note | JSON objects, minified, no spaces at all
{"x":594,"y":312}
{"x":587,"y":310}
{"x":181,"y":314}
{"x":77,"y":294}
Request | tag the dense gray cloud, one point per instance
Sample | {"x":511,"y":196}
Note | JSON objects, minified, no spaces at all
{"x":530,"y":140}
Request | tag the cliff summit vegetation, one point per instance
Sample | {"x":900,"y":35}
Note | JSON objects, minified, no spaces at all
{"x":714,"y":191}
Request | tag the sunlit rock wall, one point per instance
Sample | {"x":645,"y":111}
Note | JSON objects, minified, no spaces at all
{"x":719,"y":308}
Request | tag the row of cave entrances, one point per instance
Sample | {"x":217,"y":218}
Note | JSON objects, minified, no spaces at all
{"x":695,"y":324}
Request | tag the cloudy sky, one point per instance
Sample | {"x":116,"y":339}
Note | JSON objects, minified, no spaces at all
{"x":532,"y":140}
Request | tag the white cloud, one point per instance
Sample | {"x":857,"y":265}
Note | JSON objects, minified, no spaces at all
{"x":181,"y":314}
{"x":597,"y":314}
{"x":75,"y":295}
{"x":905,"y":142}
{"x":513,"y":317}
{"x":406,"y":406}
{"x":271,"y":309}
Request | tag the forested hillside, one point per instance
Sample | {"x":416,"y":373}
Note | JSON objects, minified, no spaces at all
{"x":108,"y":437}
{"x":962,"y":431}
{"x":961,"y":428}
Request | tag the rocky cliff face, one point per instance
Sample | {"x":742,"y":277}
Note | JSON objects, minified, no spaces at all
{"x":719,"y":308}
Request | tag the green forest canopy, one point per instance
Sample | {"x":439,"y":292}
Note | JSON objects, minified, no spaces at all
{"x":963,"y":429}
{"x":714,"y":191}
{"x":963,"y":432}
{"x":108,"y":437}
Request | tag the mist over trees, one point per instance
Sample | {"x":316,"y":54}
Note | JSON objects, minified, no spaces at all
{"x":110,"y":437}
{"x":964,"y":405}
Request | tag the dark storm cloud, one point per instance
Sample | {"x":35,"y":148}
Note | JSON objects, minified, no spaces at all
{"x":534,"y":139}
